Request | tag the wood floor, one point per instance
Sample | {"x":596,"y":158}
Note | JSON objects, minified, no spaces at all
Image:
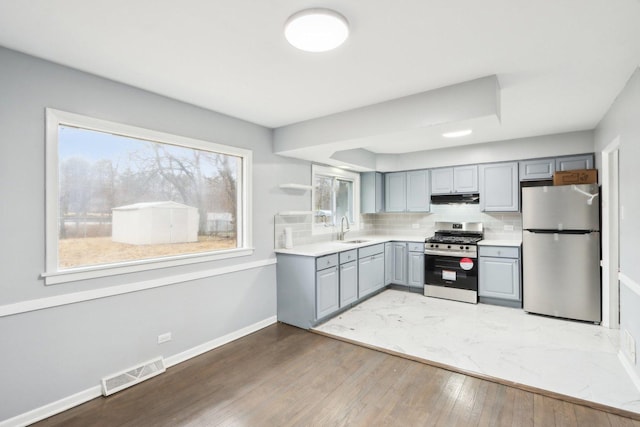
{"x":284,"y":376}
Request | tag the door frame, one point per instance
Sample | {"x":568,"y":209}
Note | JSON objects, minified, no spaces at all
{"x":610,"y":235}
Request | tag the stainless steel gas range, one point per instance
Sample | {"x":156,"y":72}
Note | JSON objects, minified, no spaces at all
{"x":451,"y":261}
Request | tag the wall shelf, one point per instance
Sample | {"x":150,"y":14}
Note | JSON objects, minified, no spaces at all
{"x":300,"y":187}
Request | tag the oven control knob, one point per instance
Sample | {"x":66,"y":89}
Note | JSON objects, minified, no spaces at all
{"x":449,"y":247}
{"x":467,"y":248}
{"x":462,"y":247}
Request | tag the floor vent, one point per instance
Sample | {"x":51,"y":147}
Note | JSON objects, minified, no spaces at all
{"x":132,"y":376}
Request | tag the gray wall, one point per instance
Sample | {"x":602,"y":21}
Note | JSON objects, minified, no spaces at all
{"x":53,"y":353}
{"x":622,"y":121}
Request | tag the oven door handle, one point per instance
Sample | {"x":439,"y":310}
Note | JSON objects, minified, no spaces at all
{"x":450,"y":254}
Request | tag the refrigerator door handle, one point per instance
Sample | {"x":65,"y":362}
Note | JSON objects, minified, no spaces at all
{"x":548,"y":231}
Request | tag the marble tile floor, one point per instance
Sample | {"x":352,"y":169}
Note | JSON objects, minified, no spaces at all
{"x":571,"y":358}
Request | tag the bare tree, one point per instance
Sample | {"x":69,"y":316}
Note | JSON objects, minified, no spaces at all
{"x":75,"y":191}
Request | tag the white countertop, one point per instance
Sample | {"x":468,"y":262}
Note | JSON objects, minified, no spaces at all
{"x":326,"y":248}
{"x":497,"y":242}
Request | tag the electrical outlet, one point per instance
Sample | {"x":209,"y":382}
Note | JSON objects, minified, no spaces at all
{"x":164,"y":337}
{"x":415,"y":225}
{"x":630,"y":346}
{"x":508,"y":227}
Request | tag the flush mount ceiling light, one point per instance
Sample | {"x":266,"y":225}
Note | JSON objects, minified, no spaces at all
{"x":316,"y":30}
{"x":457,"y":134}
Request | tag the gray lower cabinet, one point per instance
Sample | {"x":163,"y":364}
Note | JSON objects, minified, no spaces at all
{"x":310,"y":289}
{"x":348,"y":283}
{"x":399,"y":276}
{"x":499,"y":275}
{"x":327,"y":292}
{"x":388,"y":263}
{"x":499,"y":187}
{"x":370,"y":269}
{"x":415,"y":268}
{"x":405,"y":264}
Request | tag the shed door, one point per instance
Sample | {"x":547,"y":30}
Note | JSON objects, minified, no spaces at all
{"x":179,"y":228}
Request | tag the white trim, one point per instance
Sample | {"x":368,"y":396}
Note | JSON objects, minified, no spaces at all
{"x":628,"y":367}
{"x":55,"y":118}
{"x":610,"y":234}
{"x":69,"y":402}
{"x":629,"y":283}
{"x":218,"y":342}
{"x":342,"y":174}
{"x":52,"y":408}
{"x":43,"y":303}
{"x":93,"y":272}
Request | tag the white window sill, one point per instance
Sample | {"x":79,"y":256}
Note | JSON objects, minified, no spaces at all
{"x":93,"y":272}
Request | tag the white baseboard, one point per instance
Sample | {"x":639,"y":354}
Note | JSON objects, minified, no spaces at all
{"x":69,"y":402}
{"x":628,"y":367}
{"x":208,"y":346}
{"x":52,"y":408}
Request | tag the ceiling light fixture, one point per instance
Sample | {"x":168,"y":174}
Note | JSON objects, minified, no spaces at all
{"x":457,"y":134}
{"x":316,"y":30}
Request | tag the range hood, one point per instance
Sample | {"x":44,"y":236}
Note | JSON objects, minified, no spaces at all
{"x":455,"y":199}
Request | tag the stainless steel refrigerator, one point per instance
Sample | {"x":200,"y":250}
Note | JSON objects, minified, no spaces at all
{"x":561,"y":251}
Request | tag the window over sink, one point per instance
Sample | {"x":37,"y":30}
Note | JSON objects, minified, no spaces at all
{"x":335,"y":194}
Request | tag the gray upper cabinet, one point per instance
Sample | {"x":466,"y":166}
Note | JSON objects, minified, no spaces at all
{"x":442,"y":181}
{"x":543,"y":169}
{"x":371,"y":192}
{"x":574,"y":162}
{"x":499,"y":187}
{"x":407,"y":191}
{"x":537,"y":169}
{"x":465,"y":179}
{"x":418,"y":196}
{"x":459,"y":179}
{"x":395,"y":189}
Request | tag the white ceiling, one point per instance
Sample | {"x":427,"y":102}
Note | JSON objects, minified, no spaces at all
{"x":560,"y":63}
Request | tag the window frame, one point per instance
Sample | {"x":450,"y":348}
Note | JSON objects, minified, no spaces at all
{"x":336,"y":173}
{"x":54,"y":275}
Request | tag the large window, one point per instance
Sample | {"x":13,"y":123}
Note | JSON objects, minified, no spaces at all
{"x":335,"y":195}
{"x":121,"y":198}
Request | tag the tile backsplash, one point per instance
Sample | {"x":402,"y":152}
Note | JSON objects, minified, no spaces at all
{"x":499,"y":225}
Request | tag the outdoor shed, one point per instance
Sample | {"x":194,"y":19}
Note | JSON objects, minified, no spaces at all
{"x":155,"y":223}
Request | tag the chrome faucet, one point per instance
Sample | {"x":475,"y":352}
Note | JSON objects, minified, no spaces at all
{"x":342,"y":230}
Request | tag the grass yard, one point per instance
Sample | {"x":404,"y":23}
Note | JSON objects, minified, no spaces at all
{"x":86,"y":251}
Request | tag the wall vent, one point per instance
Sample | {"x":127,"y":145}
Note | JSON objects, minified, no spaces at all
{"x":132,"y":376}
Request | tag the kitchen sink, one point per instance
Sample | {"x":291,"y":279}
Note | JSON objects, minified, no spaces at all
{"x":354,"y":241}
